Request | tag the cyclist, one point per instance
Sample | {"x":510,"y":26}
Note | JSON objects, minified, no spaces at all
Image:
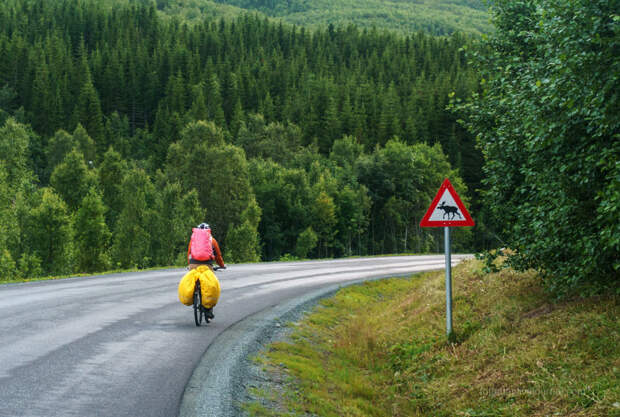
{"x":203,"y":249}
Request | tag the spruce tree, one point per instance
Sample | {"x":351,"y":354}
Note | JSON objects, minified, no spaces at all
{"x":199,"y":110}
{"x":42,"y":106}
{"x":89,"y":113}
{"x":214,"y":101}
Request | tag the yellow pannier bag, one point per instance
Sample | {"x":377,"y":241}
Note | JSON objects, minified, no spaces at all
{"x":209,"y":287}
{"x":186,"y":288}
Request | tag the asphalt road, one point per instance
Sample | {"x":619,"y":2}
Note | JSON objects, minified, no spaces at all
{"x":123,"y":345}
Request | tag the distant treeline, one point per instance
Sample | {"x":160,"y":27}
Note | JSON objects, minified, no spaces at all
{"x":121,"y":130}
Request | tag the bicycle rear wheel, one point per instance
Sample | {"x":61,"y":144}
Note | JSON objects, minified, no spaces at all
{"x":197,"y":305}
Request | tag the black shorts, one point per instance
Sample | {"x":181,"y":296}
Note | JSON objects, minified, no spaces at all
{"x":197,"y":262}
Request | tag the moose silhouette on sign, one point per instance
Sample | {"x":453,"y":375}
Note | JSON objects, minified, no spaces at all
{"x":449,"y":210}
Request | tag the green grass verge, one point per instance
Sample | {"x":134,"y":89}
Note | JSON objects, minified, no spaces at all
{"x":379,"y":349}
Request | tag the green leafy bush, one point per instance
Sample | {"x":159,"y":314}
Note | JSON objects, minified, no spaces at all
{"x":306,"y":241}
{"x":29,"y":266}
{"x":7,"y":266}
{"x":547,"y":121}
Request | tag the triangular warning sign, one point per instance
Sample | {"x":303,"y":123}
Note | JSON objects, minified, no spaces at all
{"x":447,"y":209}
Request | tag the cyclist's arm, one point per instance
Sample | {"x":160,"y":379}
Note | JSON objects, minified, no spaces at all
{"x":188,"y":249}
{"x":218,"y":253}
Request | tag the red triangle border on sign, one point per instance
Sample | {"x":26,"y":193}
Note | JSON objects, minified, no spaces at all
{"x":467,"y":221}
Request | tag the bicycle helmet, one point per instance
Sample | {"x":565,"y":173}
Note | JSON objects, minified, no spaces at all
{"x":204,"y":226}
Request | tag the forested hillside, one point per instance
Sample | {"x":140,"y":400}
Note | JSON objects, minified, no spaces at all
{"x":120,"y":129}
{"x":438,"y":17}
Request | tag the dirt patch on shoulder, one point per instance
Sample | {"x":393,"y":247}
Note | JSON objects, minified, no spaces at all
{"x":540,"y":311}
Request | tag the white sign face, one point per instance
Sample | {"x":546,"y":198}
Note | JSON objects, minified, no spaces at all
{"x":447,"y":209}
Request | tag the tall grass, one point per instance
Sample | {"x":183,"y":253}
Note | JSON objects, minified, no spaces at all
{"x":379,"y":349}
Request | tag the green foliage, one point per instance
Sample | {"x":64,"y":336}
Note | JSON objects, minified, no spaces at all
{"x":275,"y":141}
{"x":72,"y":179}
{"x":134,"y":227}
{"x":89,"y":111}
{"x":287,"y":257}
{"x":392,"y":187}
{"x":284,"y":197}
{"x":111,"y":173}
{"x":547,"y":121}
{"x":402,"y":181}
{"x":117,"y":134}
{"x":29,"y":266}
{"x":49,"y":233}
{"x":16,"y":185}
{"x":202,"y":161}
{"x":15,"y":141}
{"x":92,"y":236}
{"x":7,"y":97}
{"x":175,"y":210}
{"x":57,"y":149}
{"x":243,"y":243}
{"x":85,"y":143}
{"x":8,"y":270}
{"x":490,"y":260}
{"x":323,"y":216}
{"x":8,"y":219}
{"x":345,"y":152}
{"x":306,"y":242}
{"x":189,"y":162}
{"x":230,"y":192}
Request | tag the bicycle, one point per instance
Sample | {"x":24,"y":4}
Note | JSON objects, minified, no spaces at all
{"x":199,"y":310}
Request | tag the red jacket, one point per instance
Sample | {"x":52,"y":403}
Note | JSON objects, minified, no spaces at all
{"x":216,"y":252}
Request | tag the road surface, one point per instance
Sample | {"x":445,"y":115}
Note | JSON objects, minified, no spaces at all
{"x":123,"y":345}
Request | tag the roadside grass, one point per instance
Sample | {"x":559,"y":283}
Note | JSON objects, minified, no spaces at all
{"x":380,"y":349}
{"x":78,"y":275}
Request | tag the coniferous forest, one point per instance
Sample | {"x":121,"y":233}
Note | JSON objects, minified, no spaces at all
{"x":120,"y":130}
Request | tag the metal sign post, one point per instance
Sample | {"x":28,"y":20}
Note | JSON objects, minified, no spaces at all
{"x":446,"y":234}
{"x":447,"y":210}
